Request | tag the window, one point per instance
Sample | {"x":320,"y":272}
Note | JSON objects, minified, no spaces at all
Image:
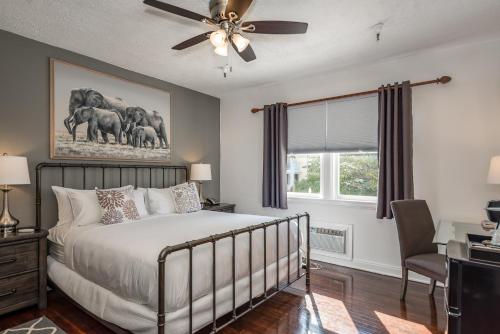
{"x":336,"y":176}
{"x":357,"y":175}
{"x":303,"y":172}
{"x":343,"y":136}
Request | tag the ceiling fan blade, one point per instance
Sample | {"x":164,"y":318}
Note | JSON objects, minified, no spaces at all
{"x":192,"y":41}
{"x":239,"y":7}
{"x":248,"y":55}
{"x":176,"y":10}
{"x":276,"y":27}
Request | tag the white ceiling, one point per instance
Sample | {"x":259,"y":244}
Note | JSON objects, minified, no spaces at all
{"x":129,"y":34}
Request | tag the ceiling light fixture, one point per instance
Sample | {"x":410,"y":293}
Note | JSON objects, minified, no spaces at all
{"x":218,"y":38}
{"x":226,"y":17}
{"x":240,"y":42}
{"x":221,"y":50}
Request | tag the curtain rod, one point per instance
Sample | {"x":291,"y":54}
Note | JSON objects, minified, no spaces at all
{"x":443,"y":80}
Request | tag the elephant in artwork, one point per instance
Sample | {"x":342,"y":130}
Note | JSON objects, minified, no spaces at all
{"x":99,"y":120}
{"x":144,"y":134}
{"x":145,"y":118}
{"x":87,"y":97}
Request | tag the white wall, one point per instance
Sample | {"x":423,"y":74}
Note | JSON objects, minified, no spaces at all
{"x":456,"y":131}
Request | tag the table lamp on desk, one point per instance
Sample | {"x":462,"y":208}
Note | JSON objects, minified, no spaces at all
{"x":493,"y":206}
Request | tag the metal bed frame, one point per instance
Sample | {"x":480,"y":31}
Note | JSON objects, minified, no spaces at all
{"x":190,"y":245}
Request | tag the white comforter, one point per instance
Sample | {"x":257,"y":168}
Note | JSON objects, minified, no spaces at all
{"x":123,"y":258}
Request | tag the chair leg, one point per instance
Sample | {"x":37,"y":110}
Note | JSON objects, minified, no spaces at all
{"x":432,"y":286}
{"x":404,"y":283}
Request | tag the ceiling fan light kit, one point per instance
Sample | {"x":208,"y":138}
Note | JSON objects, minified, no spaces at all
{"x":221,"y":50}
{"x":218,"y":38}
{"x":226,"y":17}
{"x":240,"y":42}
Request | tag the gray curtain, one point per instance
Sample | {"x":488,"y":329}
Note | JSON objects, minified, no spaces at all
{"x":395,"y":146}
{"x":275,"y":151}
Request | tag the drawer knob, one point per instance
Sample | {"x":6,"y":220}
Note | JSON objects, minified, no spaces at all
{"x":8,"y":293}
{"x":11,"y":260}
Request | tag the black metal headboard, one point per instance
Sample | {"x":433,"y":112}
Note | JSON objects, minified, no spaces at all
{"x":80,"y":177}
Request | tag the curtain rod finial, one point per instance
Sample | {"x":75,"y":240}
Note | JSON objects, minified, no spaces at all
{"x":255,"y":110}
{"x":444,"y":79}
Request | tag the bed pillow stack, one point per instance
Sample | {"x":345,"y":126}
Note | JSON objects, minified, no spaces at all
{"x":182,"y":198}
{"x":80,"y":207}
{"x":116,"y":205}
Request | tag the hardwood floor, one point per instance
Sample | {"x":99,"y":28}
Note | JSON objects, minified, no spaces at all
{"x":342,"y":301}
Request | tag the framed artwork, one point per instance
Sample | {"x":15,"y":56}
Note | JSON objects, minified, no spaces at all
{"x":97,"y":116}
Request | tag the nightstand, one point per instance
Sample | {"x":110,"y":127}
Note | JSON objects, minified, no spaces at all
{"x":23,"y":270}
{"x":221,"y":207}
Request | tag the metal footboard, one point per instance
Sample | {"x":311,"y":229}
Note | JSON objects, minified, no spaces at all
{"x":233,"y":234}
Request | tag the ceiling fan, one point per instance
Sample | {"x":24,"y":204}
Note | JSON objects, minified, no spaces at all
{"x":226,"y":18}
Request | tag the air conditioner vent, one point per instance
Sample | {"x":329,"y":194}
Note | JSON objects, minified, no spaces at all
{"x":329,"y":240}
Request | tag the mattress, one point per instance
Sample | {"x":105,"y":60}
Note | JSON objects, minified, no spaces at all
{"x":122,"y":258}
{"x":58,"y":233}
{"x":57,"y":236}
{"x":141,"y":319}
{"x":56,"y":251}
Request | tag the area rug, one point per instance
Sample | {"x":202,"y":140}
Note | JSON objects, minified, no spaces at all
{"x":39,"y":326}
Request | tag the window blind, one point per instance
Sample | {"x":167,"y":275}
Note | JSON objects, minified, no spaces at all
{"x":335,"y":126}
{"x":306,"y":128}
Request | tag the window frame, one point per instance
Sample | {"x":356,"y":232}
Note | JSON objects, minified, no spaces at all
{"x":329,"y":182}
{"x":320,"y":195}
{"x":338,"y":195}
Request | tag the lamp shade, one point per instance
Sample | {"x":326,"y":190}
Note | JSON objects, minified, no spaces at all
{"x":201,"y":172}
{"x":494,"y":172}
{"x":14,"y":170}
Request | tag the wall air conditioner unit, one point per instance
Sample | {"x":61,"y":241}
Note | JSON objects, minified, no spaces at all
{"x":334,"y":241}
{"x":329,"y":240}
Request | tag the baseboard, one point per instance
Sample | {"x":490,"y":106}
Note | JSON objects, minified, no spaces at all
{"x":371,"y":266}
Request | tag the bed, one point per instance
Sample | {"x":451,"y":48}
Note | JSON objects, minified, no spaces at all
{"x":170,"y":273}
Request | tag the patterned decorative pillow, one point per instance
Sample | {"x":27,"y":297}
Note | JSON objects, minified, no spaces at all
{"x":118,"y":206}
{"x":186,"y":198}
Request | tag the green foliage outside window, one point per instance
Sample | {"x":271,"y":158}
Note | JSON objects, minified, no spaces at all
{"x":312,"y":179}
{"x":358,"y":174}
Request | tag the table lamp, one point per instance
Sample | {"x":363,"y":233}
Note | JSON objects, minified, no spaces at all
{"x":493,"y":206}
{"x":200,"y":173}
{"x":494,"y":172}
{"x":13,"y":171}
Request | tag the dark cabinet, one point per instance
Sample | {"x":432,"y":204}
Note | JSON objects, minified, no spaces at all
{"x":472,"y":293}
{"x":23,"y":270}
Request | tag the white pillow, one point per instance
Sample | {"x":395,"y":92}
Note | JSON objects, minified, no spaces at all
{"x":64,"y":212}
{"x":139,"y":197}
{"x":160,"y":201}
{"x":85,"y":206}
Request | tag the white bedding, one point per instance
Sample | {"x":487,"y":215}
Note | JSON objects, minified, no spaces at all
{"x":122,"y":258}
{"x":142,"y":320}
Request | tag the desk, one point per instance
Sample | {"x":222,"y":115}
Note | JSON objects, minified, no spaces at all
{"x":472,"y":289}
{"x":449,"y":230}
{"x":472,"y":293}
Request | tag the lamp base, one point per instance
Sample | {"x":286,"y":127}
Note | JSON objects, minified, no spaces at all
{"x":200,"y":192}
{"x":8,"y":223}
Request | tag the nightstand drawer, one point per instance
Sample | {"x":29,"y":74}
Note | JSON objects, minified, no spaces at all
{"x":16,"y":258}
{"x":18,"y":289}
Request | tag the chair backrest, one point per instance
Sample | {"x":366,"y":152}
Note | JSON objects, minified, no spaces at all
{"x":415,"y":227}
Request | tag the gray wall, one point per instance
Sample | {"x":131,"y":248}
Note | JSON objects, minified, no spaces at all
{"x":24,"y":114}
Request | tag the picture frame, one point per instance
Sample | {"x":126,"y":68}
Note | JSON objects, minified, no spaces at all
{"x":100,"y":116}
